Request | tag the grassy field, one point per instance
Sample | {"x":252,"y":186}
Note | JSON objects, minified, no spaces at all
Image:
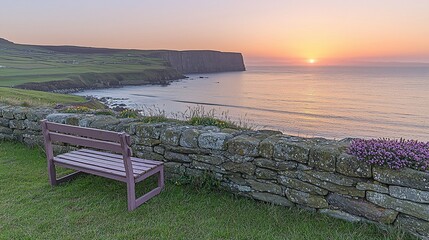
{"x":95,"y":208}
{"x":23,"y":63}
{"x":20,"y":97}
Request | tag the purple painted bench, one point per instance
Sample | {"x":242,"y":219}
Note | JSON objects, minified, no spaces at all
{"x":122,"y":167}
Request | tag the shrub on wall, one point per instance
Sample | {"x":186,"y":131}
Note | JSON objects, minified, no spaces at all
{"x":396,"y":154}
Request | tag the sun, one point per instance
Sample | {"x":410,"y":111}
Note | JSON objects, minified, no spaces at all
{"x":311,"y":61}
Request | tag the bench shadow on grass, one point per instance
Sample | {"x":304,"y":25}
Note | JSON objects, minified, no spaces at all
{"x":91,"y":207}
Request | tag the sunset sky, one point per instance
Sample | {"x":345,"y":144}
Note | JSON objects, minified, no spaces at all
{"x":287,"y":31}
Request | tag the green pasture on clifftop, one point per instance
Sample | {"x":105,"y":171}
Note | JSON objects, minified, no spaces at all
{"x":20,"y":97}
{"x":25,"y":63}
{"x":95,"y":208}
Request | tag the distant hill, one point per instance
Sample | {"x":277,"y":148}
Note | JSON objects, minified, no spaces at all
{"x":54,"y":68}
{"x":191,"y":61}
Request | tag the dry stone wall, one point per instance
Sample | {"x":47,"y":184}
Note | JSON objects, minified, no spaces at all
{"x":312,"y":173}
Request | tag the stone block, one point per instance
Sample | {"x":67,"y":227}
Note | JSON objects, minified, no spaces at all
{"x":340,"y":215}
{"x":410,"y":208}
{"x":4,"y":122}
{"x":306,"y":199}
{"x":17,"y":124}
{"x":213,"y":160}
{"x":238,"y":158}
{"x":333,"y":178}
{"x":177,"y":157}
{"x":64,"y":118}
{"x":332,"y":187}
{"x":104,"y":122}
{"x":418,"y":227}
{"x":324,"y":157}
{"x":19,"y":113}
{"x":152,"y":130}
{"x":189,"y":138}
{"x":292,"y":148}
{"x":265,"y":187}
{"x":124,"y":125}
{"x":303,"y":167}
{"x":5,"y":130}
{"x":272,"y":198}
{"x":35,"y":126}
{"x":362,"y":208}
{"x":147,"y":141}
{"x":174,"y":167}
{"x":8,"y":113}
{"x":409,"y":194}
{"x":351,"y":166}
{"x":213,"y":140}
{"x":405,"y":177}
{"x":159,"y":150}
{"x":171,"y":136}
{"x":244,"y":145}
{"x":280,"y":165}
{"x":6,"y":137}
{"x":246,"y":167}
{"x":301,"y":186}
{"x":263,"y":173}
{"x":185,"y":150}
{"x":39,"y":114}
{"x":202,"y":166}
{"x":237,"y":188}
{"x":266,"y":147}
{"x":150,"y":155}
{"x":372,"y":186}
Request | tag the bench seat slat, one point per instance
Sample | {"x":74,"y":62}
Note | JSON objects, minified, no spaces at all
{"x":84,"y":132}
{"x":99,"y":161}
{"x":115,"y":155}
{"x":102,"y":163}
{"x":83,"y":166}
{"x":109,"y":146}
{"x":117,"y":159}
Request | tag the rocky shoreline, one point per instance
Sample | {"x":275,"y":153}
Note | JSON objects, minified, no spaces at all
{"x":105,"y":80}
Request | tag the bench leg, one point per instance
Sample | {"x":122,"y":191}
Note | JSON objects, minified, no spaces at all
{"x":133,"y":203}
{"x":52,"y":173}
{"x":131,"y":195}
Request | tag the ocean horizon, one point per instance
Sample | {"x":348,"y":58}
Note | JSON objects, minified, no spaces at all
{"x":310,"y":101}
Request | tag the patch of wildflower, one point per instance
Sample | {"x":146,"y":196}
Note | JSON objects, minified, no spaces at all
{"x":396,"y":154}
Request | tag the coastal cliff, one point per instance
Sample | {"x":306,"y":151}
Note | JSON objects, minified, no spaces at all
{"x":72,"y":68}
{"x":201,"y":61}
{"x":192,"y":61}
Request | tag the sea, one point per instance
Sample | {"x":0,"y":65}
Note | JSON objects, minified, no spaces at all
{"x":333,"y":102}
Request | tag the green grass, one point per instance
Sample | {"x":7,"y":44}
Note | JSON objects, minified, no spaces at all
{"x":20,"y":97}
{"x":24,"y":63}
{"x":95,"y":208}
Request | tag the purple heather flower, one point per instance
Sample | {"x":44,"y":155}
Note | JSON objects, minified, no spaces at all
{"x":396,"y":154}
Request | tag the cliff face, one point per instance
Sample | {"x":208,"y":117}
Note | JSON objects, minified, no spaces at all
{"x":201,"y":61}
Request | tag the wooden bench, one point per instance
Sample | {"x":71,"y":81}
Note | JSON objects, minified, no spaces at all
{"x":122,"y":167}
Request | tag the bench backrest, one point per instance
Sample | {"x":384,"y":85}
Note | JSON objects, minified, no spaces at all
{"x":82,"y":136}
{"x":87,"y":137}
